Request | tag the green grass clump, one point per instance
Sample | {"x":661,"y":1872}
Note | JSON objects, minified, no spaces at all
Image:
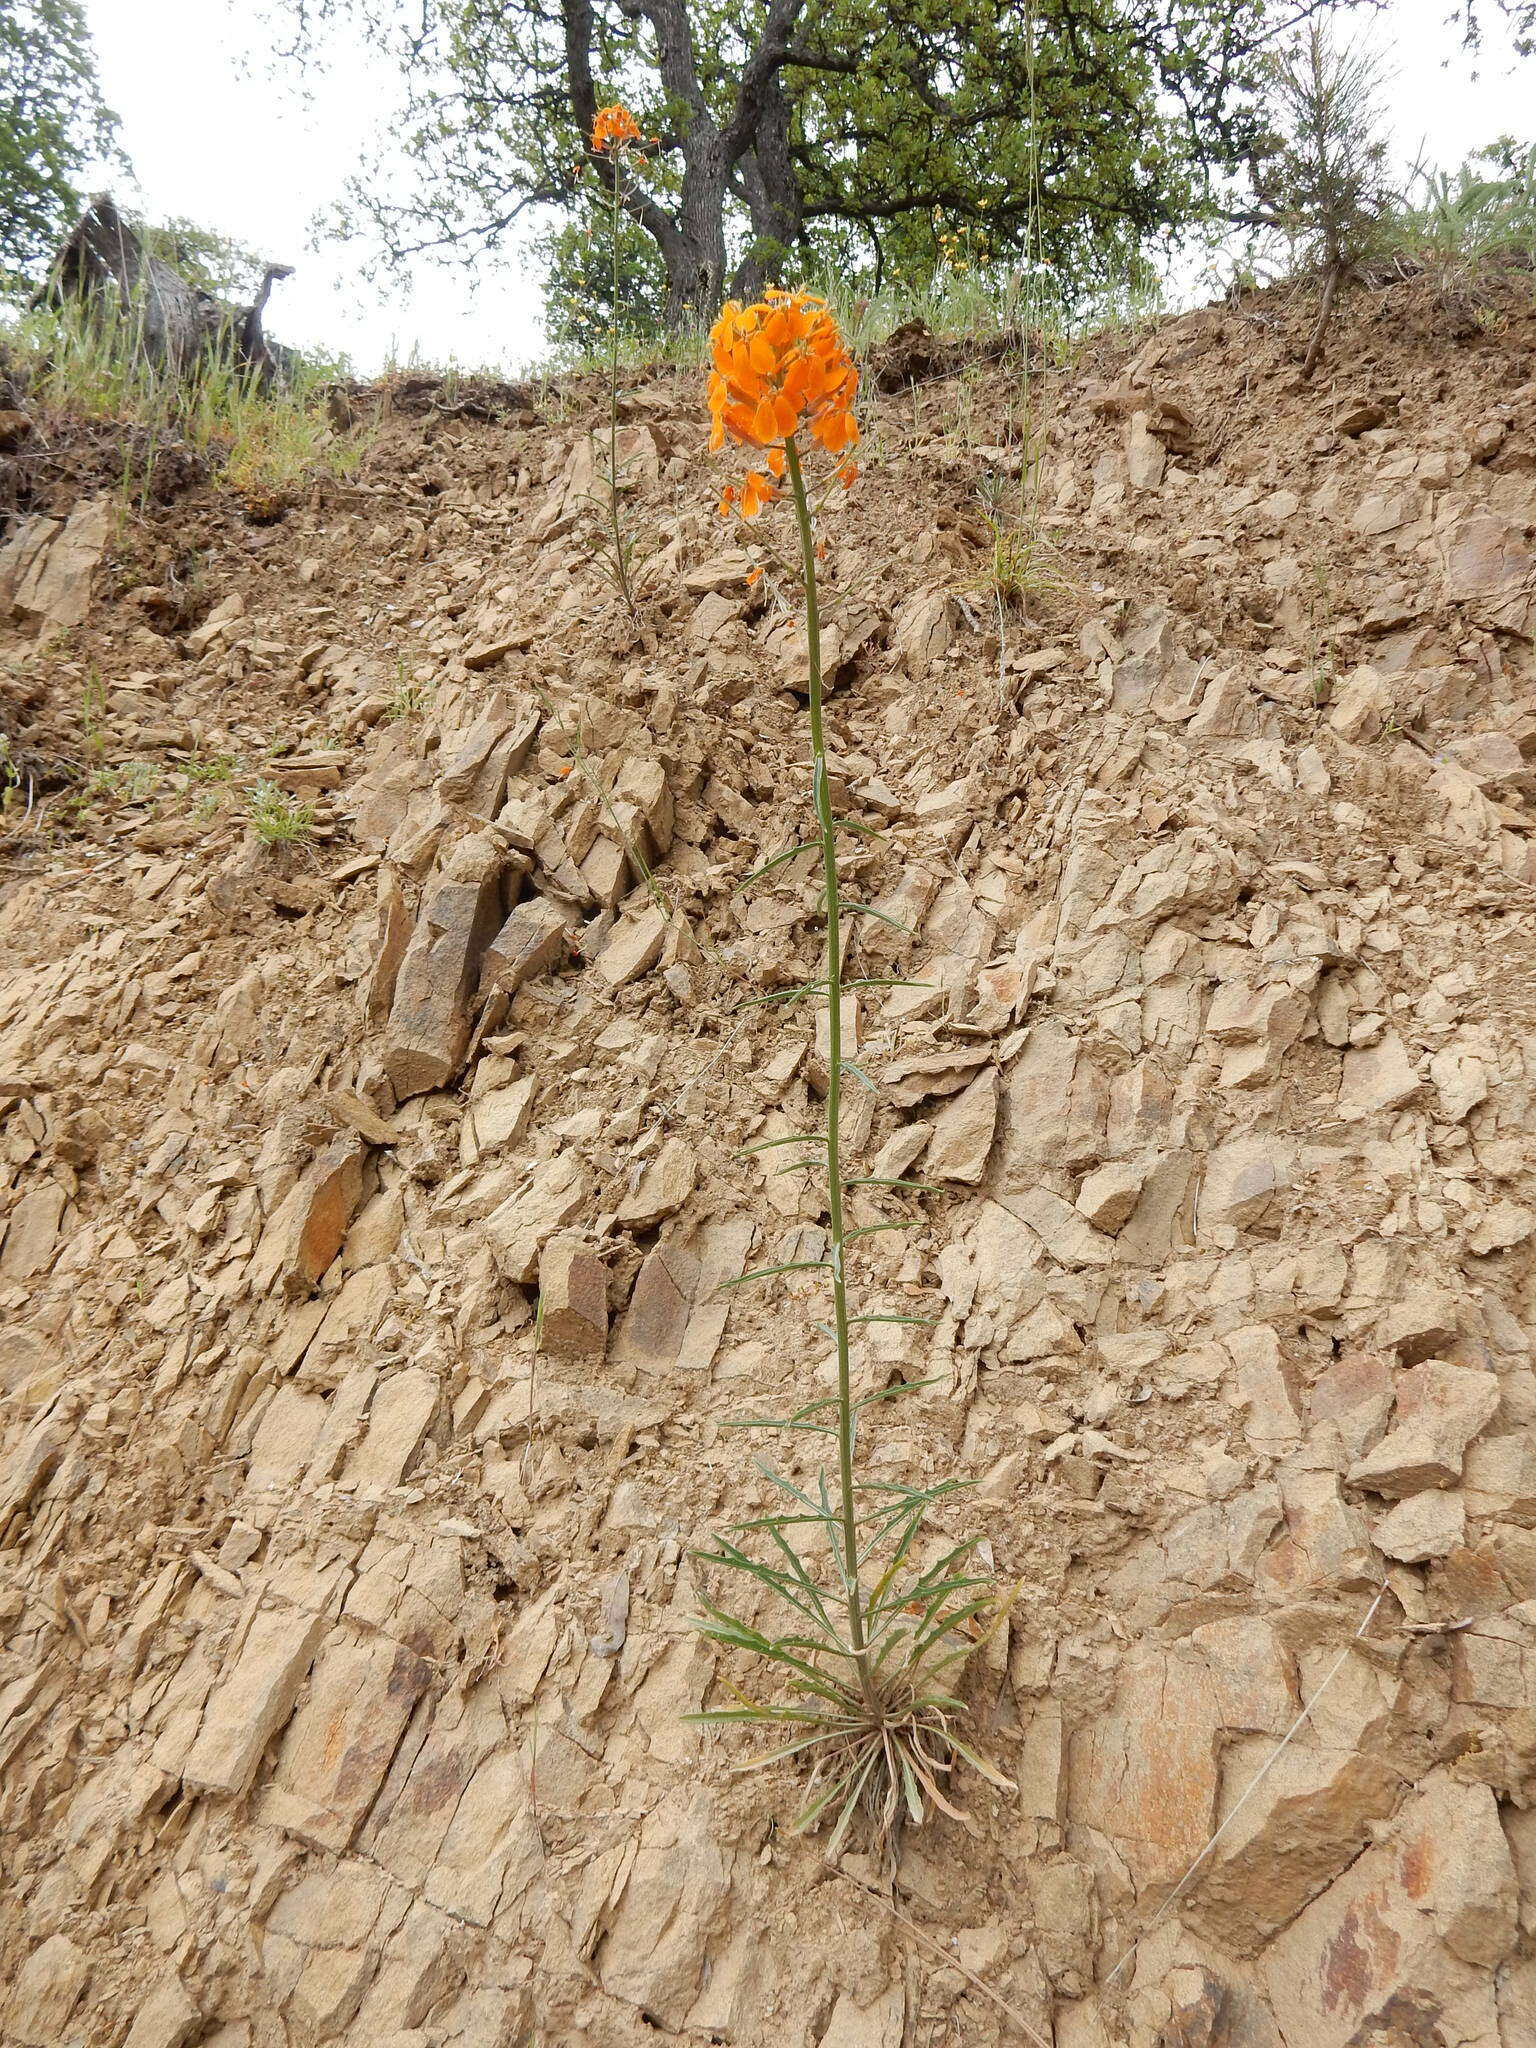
{"x":265,"y":436}
{"x":277,"y":818}
{"x":1487,"y":208}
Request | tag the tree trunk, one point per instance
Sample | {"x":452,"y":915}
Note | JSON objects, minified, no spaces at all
{"x":696,"y":272}
{"x":1325,"y":314}
{"x":175,"y":325}
{"x":696,"y":267}
{"x":772,"y":192}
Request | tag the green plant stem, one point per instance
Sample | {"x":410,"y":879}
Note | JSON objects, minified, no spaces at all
{"x":621,"y":562}
{"x":827,"y":833}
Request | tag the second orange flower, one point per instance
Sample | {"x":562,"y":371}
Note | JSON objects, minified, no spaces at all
{"x":614,"y":127}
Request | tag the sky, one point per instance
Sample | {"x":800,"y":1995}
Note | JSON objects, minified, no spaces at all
{"x":214,"y":137}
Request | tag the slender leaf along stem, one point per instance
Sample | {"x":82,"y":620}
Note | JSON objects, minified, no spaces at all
{"x":827,"y":833}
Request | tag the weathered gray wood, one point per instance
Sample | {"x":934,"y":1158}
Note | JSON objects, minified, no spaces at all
{"x":176,"y":324}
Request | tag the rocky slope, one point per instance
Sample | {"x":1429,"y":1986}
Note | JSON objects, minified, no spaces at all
{"x":343,"y":1644}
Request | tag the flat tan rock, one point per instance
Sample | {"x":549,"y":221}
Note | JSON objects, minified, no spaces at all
{"x":963,"y":1132}
{"x":1423,"y":1526}
{"x":1440,"y":1409}
{"x":633,"y":948}
{"x":339,"y":1745}
{"x":255,"y":1695}
{"x":665,"y":1183}
{"x":535,"y":938}
{"x":46,"y":1990}
{"x":168,"y":2018}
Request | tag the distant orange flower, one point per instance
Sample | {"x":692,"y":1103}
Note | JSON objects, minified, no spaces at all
{"x":614,"y":127}
{"x":779,"y":367}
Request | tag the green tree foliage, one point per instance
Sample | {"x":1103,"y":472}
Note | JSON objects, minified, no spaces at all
{"x":578,"y":282}
{"x":1326,"y":185}
{"x":1520,"y":14}
{"x":787,"y":131}
{"x":53,"y":124}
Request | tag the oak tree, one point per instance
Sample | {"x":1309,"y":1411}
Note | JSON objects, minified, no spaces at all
{"x":789,"y":131}
{"x":53,"y":125}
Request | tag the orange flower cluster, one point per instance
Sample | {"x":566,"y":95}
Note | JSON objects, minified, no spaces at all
{"x":614,"y":128}
{"x":778,"y":367}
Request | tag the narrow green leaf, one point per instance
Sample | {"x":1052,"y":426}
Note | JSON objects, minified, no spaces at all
{"x":916,"y":1187}
{"x":809,"y":1815}
{"x":917,"y":1322}
{"x":914,"y":1797}
{"x":779,"y":995}
{"x":768,"y":1144}
{"x":845,"y":1818}
{"x":901,"y":1387}
{"x":858,"y":1073}
{"x":768,"y":1272}
{"x":776,"y":861}
{"x":781,"y":1422}
{"x":869,"y":1229}
{"x":869,"y":910}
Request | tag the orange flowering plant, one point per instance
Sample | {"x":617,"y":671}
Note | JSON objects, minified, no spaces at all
{"x":616,"y":139}
{"x":614,"y":128}
{"x":869,"y":1707}
{"x":776,"y":370}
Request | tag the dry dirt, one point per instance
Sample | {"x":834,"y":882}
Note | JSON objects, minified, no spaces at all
{"x":343,"y":1605}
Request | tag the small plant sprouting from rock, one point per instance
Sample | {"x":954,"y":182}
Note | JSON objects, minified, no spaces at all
{"x":866,"y":1669}
{"x":411,"y":697}
{"x":10,"y":776}
{"x":277,"y":818}
{"x":1327,"y":186}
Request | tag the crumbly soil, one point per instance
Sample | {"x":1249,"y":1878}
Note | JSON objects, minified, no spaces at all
{"x":366,"y":1382}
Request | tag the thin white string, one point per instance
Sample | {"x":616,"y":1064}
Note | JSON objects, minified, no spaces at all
{"x":1258,"y":1778}
{"x":951,"y":1961}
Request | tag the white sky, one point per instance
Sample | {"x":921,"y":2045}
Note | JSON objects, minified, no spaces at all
{"x":213,"y":137}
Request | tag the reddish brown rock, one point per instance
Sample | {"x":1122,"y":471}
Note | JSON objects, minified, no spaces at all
{"x":324,"y":1204}
{"x":1405,"y":1944}
{"x":430,"y":1019}
{"x":573,"y":1300}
